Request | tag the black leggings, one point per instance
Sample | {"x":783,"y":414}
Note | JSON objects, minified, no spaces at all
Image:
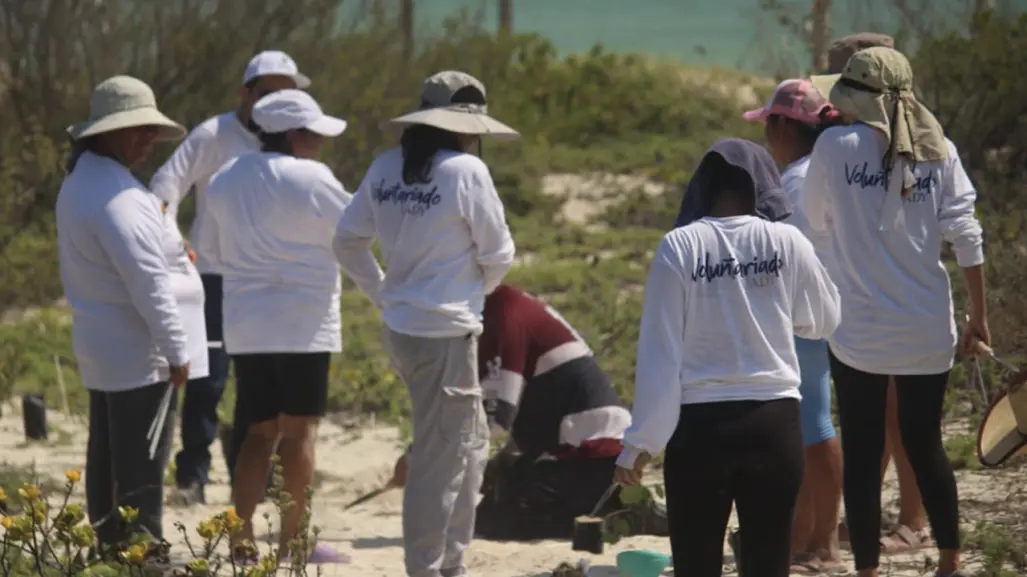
{"x":749,"y":453}
{"x":862,"y":399}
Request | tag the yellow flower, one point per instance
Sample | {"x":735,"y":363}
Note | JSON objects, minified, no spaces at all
{"x":233,"y":523}
{"x":73,"y":476}
{"x":83,"y":536}
{"x":206,"y":529}
{"x":29,"y":492}
{"x":198,"y":567}
{"x":3,"y":495}
{"x":6,"y":522}
{"x":134,"y":554}
{"x":128,"y":514}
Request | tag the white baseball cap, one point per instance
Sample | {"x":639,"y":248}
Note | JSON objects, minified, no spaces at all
{"x":293,"y":109}
{"x":274,"y":63}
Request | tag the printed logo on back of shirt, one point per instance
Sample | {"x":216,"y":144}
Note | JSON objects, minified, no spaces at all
{"x":758,"y":272}
{"x":414,"y":201}
{"x":859,"y":174}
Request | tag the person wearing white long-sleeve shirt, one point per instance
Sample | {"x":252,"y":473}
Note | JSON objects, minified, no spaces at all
{"x":127,"y":330}
{"x":793,"y":118}
{"x":275,"y":213}
{"x":717,"y":377}
{"x":208,"y":147}
{"x":434,"y":209}
{"x":889,"y":189}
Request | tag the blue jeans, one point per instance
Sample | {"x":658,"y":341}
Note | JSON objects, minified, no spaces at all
{"x":200,"y":407}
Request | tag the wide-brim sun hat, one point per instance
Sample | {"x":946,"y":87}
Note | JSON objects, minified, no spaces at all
{"x":437,"y":109}
{"x":1003,"y":432}
{"x":876,"y":88}
{"x":125,"y":102}
{"x":294,"y":109}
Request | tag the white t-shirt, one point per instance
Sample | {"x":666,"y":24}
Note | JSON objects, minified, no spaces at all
{"x":723,"y":300}
{"x":275,"y":216}
{"x":209,"y":146}
{"x":188,"y":290}
{"x":886,"y":251}
{"x":446,"y":243}
{"x":110,"y":238}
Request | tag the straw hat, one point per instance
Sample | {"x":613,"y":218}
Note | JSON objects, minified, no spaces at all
{"x":437,"y":108}
{"x":124,"y":102}
{"x":1003,"y":432}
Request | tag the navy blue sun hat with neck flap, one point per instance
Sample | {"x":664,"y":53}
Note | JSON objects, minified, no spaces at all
{"x":772,"y":202}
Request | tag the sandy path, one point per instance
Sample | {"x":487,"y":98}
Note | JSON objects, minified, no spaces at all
{"x":351,"y":461}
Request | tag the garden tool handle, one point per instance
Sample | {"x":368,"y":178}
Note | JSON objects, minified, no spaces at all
{"x":602,"y":500}
{"x":982,"y":348}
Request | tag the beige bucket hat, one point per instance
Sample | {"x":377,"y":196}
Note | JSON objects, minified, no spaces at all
{"x":437,"y":108}
{"x":1003,"y":432}
{"x":124,"y":102}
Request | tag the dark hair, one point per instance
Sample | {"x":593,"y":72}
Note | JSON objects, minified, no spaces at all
{"x":420,"y":142}
{"x":275,"y":142}
{"x":252,"y":83}
{"x":728,"y":181}
{"x":809,"y":133}
{"x":77,"y":148}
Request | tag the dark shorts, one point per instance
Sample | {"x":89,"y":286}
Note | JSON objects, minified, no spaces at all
{"x":212,"y":299}
{"x":273,"y":384}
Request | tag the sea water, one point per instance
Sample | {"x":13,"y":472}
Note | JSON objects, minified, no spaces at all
{"x":728,"y":33}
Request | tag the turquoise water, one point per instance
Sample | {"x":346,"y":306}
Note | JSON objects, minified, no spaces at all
{"x":730,"y":33}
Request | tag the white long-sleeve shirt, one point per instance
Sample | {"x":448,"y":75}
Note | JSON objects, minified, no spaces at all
{"x":110,"y":238}
{"x":275,"y":217}
{"x":723,"y":300}
{"x":793,"y":177}
{"x":886,"y":251}
{"x":446,"y":244}
{"x":207,"y":148}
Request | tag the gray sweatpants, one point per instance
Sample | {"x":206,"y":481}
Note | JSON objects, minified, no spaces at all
{"x":449,"y":452}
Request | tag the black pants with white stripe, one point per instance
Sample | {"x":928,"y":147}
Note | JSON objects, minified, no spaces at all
{"x":119,"y":471}
{"x":746,"y":453}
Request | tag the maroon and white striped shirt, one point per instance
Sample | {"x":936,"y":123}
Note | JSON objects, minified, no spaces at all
{"x":543,"y":384}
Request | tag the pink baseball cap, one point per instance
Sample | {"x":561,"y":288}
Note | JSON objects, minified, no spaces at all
{"x":796,"y":99}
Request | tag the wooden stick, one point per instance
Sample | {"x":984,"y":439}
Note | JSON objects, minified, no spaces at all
{"x":61,"y":387}
{"x":157,"y":426}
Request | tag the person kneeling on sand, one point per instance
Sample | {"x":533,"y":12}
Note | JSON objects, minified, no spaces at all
{"x":275,"y":212}
{"x":544,"y":386}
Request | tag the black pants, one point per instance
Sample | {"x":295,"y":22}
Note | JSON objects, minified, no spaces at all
{"x":533,"y":500}
{"x":119,"y":471}
{"x":862,"y":399}
{"x":749,"y":453}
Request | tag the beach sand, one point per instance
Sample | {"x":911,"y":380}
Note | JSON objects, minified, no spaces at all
{"x":355,"y":459}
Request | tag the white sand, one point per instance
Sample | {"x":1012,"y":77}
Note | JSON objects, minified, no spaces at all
{"x":352,"y":461}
